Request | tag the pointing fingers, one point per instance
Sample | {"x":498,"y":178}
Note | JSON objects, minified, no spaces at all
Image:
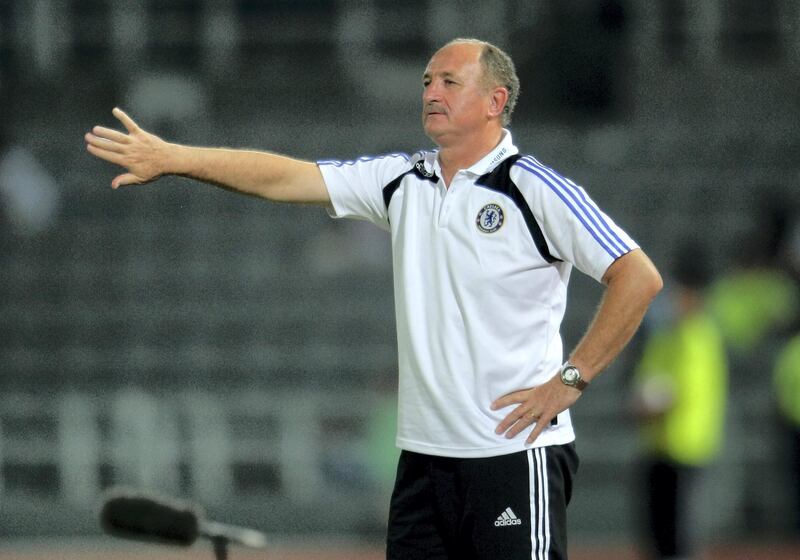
{"x":104,"y":143}
{"x":126,"y":121}
{"x":103,"y":153}
{"x":138,"y":151}
{"x":111,"y":134}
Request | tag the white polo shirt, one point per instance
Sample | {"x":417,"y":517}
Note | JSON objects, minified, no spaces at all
{"x":480,"y":279}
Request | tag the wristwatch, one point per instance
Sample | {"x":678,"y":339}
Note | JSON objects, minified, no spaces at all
{"x":570,"y":375}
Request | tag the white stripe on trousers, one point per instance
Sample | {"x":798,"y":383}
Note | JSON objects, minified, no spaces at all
{"x":540,"y":503}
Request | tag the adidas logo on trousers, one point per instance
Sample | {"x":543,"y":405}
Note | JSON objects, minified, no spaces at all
{"x":507,"y":518}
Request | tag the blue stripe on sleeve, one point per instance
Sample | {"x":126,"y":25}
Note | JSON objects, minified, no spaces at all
{"x":589,"y":210}
{"x":596,"y":211}
{"x":539,"y":173}
{"x":602,"y":227}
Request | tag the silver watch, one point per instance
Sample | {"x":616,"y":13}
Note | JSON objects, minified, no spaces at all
{"x":571,"y":376}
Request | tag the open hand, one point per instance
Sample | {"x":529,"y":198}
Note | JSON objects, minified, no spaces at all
{"x":536,"y":406}
{"x":140,"y":152}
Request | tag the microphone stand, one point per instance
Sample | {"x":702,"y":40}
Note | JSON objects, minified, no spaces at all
{"x":220,"y":547}
{"x":222,"y":535}
{"x":140,"y":518}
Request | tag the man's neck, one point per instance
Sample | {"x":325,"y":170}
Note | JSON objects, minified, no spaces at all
{"x":464,"y":153}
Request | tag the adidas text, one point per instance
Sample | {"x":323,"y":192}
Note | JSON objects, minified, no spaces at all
{"x":503,"y":522}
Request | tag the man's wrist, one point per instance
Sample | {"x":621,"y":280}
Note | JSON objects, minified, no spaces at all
{"x":176,"y":160}
{"x":571,"y":376}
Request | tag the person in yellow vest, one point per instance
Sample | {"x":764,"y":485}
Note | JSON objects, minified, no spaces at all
{"x":680,"y":398}
{"x":787,"y":388}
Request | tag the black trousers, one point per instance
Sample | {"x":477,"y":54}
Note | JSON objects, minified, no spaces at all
{"x":795,"y":470}
{"x":669,"y":487}
{"x":507,"y":507}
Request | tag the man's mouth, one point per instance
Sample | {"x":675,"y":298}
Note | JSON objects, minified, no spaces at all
{"x":429,"y":112}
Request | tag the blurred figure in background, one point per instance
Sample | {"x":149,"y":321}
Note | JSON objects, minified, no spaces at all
{"x":787,"y":388}
{"x":756,"y":298}
{"x":787,"y":373}
{"x":380,"y":452}
{"x":29,"y":194}
{"x":680,"y":398}
{"x":755,"y":304}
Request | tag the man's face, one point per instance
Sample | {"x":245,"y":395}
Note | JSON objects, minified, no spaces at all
{"x":455,"y":100}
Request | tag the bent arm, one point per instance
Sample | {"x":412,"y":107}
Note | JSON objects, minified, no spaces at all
{"x":632,"y":282}
{"x":146,"y":157}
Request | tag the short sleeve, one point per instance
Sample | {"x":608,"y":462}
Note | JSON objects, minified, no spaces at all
{"x":575,"y":229}
{"x":356,"y":187}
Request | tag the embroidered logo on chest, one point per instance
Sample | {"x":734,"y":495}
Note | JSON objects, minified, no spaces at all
{"x":490,"y":218}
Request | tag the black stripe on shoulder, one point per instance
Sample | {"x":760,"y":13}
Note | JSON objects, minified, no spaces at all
{"x":418,"y":170}
{"x":499,"y":180}
{"x":391,"y":186}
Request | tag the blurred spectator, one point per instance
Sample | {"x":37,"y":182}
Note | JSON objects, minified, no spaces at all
{"x":787,"y":374}
{"x":787,"y":388}
{"x":680,"y":399}
{"x":172,"y":100}
{"x":792,"y":250}
{"x":756,"y":306}
{"x":750,"y":304}
{"x":757,"y":298}
{"x":29,"y":194}
{"x":381,"y":451}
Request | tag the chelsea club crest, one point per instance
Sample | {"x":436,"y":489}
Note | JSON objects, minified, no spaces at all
{"x":490,"y":218}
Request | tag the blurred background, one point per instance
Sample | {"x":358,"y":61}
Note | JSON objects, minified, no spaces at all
{"x":184,"y":340}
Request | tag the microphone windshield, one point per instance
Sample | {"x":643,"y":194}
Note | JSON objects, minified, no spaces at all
{"x":135,"y":516}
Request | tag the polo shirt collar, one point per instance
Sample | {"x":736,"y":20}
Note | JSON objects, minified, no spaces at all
{"x":504,"y":149}
{"x":491,"y":160}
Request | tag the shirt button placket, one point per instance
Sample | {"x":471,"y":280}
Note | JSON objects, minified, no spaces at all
{"x":447,"y":194}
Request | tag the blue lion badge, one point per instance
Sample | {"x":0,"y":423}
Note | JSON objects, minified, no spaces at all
{"x":490,"y":218}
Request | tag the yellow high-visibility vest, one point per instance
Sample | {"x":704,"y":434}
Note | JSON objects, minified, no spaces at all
{"x":690,"y":360}
{"x":748,"y":304}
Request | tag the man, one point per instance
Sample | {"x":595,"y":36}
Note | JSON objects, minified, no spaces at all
{"x":681,"y":390}
{"x":786,"y":377}
{"x":483,"y":243}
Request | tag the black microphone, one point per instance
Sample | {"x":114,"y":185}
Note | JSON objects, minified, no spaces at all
{"x":132,"y":515}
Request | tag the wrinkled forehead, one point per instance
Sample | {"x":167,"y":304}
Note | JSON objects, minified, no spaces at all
{"x":458,"y":58}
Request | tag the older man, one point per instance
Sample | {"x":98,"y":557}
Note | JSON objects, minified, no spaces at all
{"x":484,"y":240}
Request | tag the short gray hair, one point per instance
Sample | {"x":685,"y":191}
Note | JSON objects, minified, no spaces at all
{"x":498,"y":70}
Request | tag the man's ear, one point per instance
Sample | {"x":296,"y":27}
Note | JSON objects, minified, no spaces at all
{"x":499,"y":98}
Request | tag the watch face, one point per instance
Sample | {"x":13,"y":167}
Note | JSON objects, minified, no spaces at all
{"x":570,"y":376}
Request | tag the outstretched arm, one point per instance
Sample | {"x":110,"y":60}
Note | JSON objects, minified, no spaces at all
{"x":146,"y":157}
{"x":632,"y":282}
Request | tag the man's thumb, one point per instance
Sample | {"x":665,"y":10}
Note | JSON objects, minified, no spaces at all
{"x":125,"y":179}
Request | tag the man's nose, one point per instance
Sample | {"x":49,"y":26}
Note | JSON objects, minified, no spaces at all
{"x":431,"y":93}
